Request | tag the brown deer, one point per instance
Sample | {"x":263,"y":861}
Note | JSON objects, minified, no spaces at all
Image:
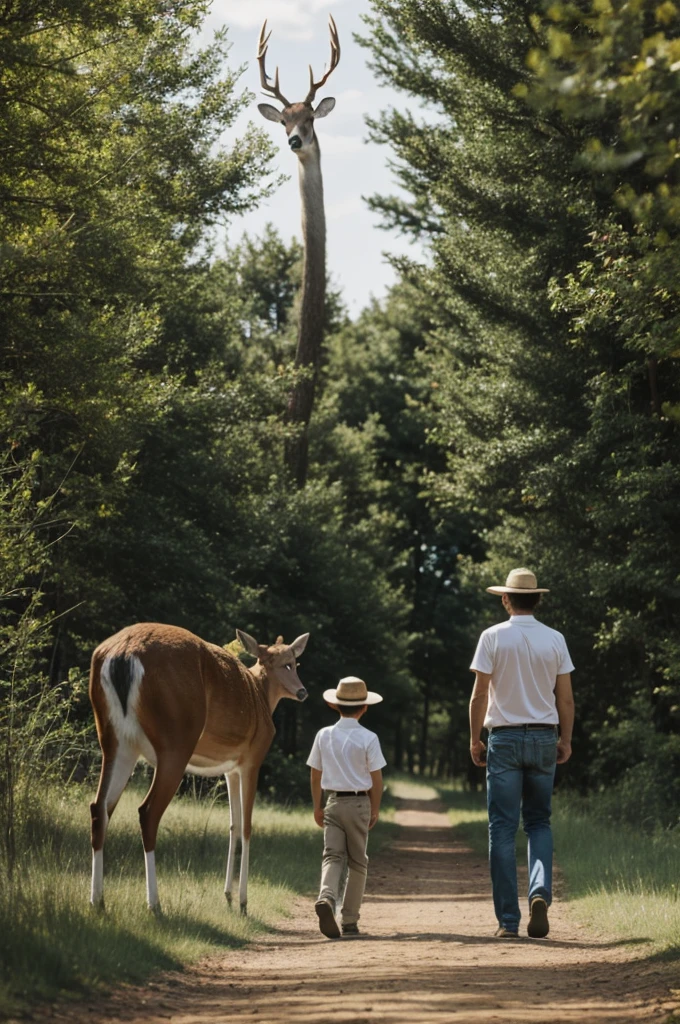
{"x":184,"y":705}
{"x":298,"y":120}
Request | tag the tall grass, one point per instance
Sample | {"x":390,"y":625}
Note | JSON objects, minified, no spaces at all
{"x":621,"y":880}
{"x":52,"y":942}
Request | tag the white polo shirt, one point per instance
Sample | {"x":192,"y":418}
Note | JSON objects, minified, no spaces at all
{"x":346,"y":753}
{"x":523,"y":657}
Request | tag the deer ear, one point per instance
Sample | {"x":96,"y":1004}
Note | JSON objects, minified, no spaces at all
{"x":324,"y":107}
{"x":249,"y":642}
{"x":298,"y":646}
{"x":270,"y":112}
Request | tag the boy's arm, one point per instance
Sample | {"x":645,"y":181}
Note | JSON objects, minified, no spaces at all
{"x":315,"y":780}
{"x":375,"y":793}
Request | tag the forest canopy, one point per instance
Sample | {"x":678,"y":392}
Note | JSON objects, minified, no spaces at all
{"x":514,"y":400}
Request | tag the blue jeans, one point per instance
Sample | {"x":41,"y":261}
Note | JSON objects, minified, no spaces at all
{"x":520,"y":773}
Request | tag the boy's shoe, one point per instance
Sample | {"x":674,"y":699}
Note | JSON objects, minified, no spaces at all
{"x":351,"y":929}
{"x":325,"y":911}
{"x":505,"y":933}
{"x":538,"y":926}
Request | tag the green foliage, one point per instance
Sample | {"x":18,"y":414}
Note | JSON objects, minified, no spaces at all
{"x":546,"y":189}
{"x":36,"y":736}
{"x":152,"y":379}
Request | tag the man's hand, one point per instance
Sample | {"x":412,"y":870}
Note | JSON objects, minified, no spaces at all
{"x":373,"y":819}
{"x":563,"y":751}
{"x":318,"y":816}
{"x":478,"y":753}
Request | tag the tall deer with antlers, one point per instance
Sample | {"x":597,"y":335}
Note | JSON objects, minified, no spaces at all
{"x":184,"y":705}
{"x":298,"y":120}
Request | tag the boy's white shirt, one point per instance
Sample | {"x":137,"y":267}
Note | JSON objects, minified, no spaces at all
{"x":346,"y":753}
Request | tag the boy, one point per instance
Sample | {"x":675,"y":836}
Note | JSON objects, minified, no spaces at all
{"x":346,"y":761}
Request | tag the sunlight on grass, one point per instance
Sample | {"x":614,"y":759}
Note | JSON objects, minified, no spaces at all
{"x":52,"y":942}
{"x":50,"y":894}
{"x":406,"y":788}
{"x":619,"y":881}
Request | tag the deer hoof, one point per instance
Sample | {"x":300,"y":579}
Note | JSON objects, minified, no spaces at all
{"x":97,"y":907}
{"x":244,"y":910}
{"x":228,"y":896}
{"x":156,"y":910}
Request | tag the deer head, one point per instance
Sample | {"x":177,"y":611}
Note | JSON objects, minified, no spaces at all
{"x":297,"y":118}
{"x":279,"y":662}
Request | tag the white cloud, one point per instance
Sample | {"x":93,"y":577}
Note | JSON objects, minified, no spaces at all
{"x":294,"y":19}
{"x":335,"y":144}
{"x":344,"y":208}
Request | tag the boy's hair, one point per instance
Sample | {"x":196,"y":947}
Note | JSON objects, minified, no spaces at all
{"x":349,"y":711}
{"x":524,"y":602}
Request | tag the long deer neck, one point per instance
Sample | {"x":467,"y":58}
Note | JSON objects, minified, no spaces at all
{"x":264,"y":686}
{"x":310,"y":332}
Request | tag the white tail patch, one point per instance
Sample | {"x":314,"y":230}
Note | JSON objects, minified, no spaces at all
{"x":126,"y":725}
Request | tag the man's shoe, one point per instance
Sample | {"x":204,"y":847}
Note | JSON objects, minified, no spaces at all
{"x":325,"y":911}
{"x":505,"y":933}
{"x":538,"y":926}
{"x":351,"y":929}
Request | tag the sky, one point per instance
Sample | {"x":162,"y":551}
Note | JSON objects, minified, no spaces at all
{"x":352,"y":167}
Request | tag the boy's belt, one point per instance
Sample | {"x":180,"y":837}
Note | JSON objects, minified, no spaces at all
{"x":350,"y":792}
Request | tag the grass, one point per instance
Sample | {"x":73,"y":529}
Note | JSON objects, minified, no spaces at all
{"x":618,"y":881}
{"x":621,"y":881}
{"x":52,"y":943}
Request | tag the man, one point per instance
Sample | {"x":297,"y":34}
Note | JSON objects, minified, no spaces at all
{"x":522,"y":695}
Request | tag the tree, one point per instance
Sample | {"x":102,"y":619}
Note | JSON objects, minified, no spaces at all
{"x":551,"y":313}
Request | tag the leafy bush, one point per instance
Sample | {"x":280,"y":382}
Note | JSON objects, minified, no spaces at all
{"x":284,"y":778}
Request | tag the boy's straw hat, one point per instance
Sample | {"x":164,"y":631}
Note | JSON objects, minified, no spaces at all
{"x":351,"y":692}
{"x":519,"y":581}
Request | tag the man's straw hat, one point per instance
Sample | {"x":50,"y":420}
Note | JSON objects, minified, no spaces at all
{"x":519,"y":581}
{"x":351,"y":692}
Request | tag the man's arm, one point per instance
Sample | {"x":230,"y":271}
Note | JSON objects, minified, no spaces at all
{"x":375,"y":793}
{"x":564,"y":702}
{"x":478,"y":705}
{"x":315,"y":780}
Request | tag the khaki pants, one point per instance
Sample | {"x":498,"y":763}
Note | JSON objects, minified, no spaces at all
{"x":345,"y":836}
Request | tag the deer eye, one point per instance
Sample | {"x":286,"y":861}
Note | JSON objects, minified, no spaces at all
{"x":289,"y":667}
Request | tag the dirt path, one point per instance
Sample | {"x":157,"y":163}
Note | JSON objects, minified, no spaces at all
{"x":428,"y":958}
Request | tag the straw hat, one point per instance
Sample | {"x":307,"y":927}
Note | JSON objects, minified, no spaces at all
{"x":519,"y":581}
{"x":351,"y":692}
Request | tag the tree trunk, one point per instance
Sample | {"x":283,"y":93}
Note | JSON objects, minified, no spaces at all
{"x":398,"y":759}
{"x":424,"y":729}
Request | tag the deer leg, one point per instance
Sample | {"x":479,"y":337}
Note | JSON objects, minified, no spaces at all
{"x":235,"y":829}
{"x":116,"y":770}
{"x":167,"y":777}
{"x":248,"y":788}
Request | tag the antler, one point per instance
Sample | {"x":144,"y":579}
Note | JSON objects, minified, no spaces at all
{"x":335,"y":60}
{"x":264,"y":77}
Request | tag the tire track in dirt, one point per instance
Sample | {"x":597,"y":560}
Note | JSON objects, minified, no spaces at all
{"x":428,"y":957}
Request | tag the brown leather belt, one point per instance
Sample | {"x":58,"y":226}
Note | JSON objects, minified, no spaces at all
{"x":349,"y":792}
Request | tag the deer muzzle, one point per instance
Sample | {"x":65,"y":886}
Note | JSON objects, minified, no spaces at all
{"x":295,"y":142}
{"x":302,"y":694}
